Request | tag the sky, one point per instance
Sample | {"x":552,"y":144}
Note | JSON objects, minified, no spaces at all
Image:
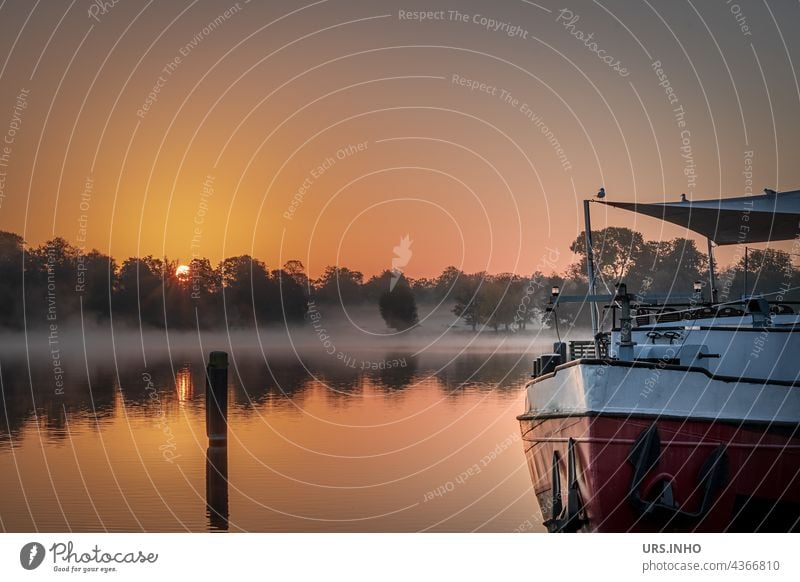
{"x":327,"y":131}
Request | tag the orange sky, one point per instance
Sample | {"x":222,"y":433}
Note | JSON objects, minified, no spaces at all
{"x":252,"y":101}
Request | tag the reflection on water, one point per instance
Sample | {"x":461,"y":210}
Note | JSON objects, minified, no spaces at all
{"x":321,"y":445}
{"x":217,"y":487}
{"x":184,"y":384}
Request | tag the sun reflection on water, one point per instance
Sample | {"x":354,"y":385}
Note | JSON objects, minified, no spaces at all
{"x":184,"y":384}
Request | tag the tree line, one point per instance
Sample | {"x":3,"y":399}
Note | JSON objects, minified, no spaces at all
{"x":56,"y":281}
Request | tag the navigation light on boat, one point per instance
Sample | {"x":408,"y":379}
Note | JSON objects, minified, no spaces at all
{"x":697,"y":287}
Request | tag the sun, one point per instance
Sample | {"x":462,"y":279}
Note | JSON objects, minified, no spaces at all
{"x":182,"y":272}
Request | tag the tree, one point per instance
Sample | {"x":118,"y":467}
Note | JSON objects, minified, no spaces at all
{"x":297,"y":271}
{"x":10,"y":247}
{"x":769,"y":271}
{"x":424,"y":289}
{"x":176,"y":296}
{"x":11,"y":273}
{"x":204,"y":288}
{"x":203,"y":279}
{"x":97,"y":282}
{"x":398,"y":306}
{"x":509,"y":290}
{"x":374,"y":288}
{"x":58,"y":279}
{"x":340,"y":285}
{"x":675,"y":266}
{"x":533,"y":293}
{"x":50,"y":278}
{"x":139,"y":296}
{"x":450,"y":283}
{"x":293,"y":297}
{"x":470,"y":300}
{"x":247,"y":291}
{"x":616,"y":250}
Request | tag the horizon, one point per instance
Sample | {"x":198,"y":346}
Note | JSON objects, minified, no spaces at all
{"x":732,"y":251}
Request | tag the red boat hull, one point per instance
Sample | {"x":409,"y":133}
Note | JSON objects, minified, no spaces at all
{"x":760,"y":490}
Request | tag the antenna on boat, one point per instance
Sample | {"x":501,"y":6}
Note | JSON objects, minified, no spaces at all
{"x":711,"y":278}
{"x":590,"y":273}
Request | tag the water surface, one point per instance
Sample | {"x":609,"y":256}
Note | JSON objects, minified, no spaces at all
{"x":428,"y":443}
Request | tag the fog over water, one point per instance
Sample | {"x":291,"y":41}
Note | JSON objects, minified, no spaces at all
{"x":354,"y":428}
{"x":357,"y":330}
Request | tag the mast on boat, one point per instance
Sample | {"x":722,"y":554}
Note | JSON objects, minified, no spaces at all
{"x":590,"y":273}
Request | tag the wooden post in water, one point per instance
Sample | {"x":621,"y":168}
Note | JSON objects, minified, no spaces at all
{"x":217,"y":487}
{"x":217,"y":399}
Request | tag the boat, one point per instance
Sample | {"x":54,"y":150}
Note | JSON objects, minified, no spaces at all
{"x":684,"y":415}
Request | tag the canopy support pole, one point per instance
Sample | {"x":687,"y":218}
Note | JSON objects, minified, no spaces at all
{"x":590,"y":273}
{"x":745,"y":271}
{"x":711,"y":278}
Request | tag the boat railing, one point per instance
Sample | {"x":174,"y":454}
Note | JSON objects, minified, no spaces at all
{"x":651,"y":314}
{"x":564,"y":352}
{"x":585,"y":349}
{"x":634,"y":312}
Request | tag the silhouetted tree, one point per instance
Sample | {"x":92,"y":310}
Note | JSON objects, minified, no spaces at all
{"x":769,"y":271}
{"x":50,"y":277}
{"x":11,"y":273}
{"x":339,"y":285}
{"x":57,"y":278}
{"x":671,"y":267}
{"x":470,"y":300}
{"x":424,"y":289}
{"x":505,"y":297}
{"x":243,"y":280}
{"x":140,"y":294}
{"x":398,"y":306}
{"x":375,"y":287}
{"x":297,"y":271}
{"x":293,"y":298}
{"x":615,"y":251}
{"x":204,"y":288}
{"x":451,"y":283}
{"x":97,"y":283}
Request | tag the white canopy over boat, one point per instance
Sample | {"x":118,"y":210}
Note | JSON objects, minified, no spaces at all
{"x":727,"y":221}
